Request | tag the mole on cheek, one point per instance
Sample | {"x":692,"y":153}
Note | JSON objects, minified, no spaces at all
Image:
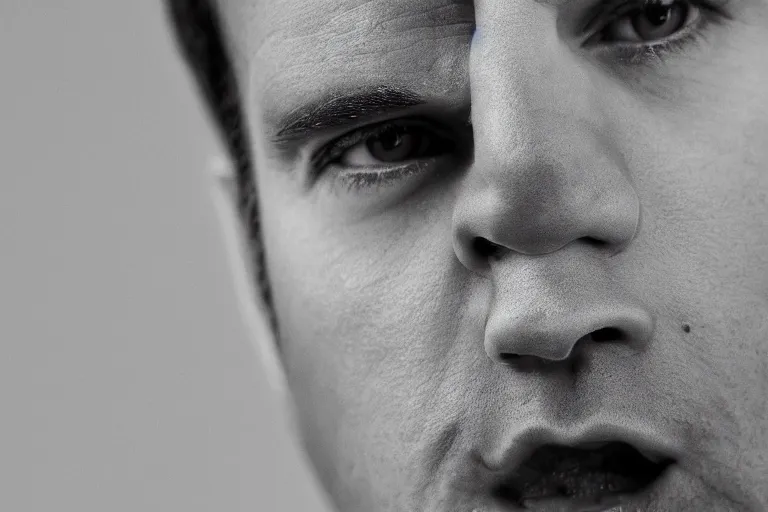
{"x":686,"y":328}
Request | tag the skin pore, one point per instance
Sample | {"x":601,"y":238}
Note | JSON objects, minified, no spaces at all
{"x":457,"y":196}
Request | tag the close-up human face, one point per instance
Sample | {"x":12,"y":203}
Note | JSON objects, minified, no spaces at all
{"x":518,"y":249}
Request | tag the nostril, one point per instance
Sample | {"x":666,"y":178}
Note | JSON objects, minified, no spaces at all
{"x":507,"y":356}
{"x":485,"y":248}
{"x":595,"y":242}
{"x":607,"y":334}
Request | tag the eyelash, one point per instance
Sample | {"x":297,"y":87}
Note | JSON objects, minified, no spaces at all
{"x":362,"y":178}
{"x":641,"y":53}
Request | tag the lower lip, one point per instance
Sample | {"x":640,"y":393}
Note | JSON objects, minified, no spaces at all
{"x":672,"y":483}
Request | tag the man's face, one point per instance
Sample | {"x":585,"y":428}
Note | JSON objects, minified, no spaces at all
{"x":497,"y":225}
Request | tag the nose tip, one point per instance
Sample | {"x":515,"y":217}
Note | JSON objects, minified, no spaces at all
{"x":555,"y":339}
{"x":544,"y":306}
{"x":560,"y":180}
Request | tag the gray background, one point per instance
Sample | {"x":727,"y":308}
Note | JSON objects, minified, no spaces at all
{"x":127,"y":382}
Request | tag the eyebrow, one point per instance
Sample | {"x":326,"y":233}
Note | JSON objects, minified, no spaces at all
{"x":339,"y":109}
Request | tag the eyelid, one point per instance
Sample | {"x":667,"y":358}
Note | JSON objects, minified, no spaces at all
{"x":607,"y":12}
{"x":613,"y":10}
{"x":334,"y":149}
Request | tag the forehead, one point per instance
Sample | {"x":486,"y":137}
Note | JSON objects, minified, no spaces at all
{"x":294,"y":49}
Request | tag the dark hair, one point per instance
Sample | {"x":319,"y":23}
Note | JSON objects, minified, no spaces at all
{"x":200,"y":38}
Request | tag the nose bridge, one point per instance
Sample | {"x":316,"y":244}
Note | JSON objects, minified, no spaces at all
{"x":546,"y":169}
{"x":521,"y":70}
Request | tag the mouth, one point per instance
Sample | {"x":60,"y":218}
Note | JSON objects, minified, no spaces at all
{"x":588,"y":477}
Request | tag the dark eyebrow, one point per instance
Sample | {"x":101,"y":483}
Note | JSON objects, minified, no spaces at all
{"x":339,"y":109}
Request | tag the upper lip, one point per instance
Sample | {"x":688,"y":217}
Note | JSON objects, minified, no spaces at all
{"x":652,"y":444}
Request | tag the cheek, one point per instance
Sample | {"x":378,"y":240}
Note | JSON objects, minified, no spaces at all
{"x":699,"y":161}
{"x":702,"y":176}
{"x":369,"y":314}
{"x":701,"y":254}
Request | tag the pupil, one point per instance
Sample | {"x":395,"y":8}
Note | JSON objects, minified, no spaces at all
{"x":390,"y":140}
{"x":658,"y":14}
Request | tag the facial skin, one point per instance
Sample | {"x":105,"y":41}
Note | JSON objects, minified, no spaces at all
{"x":593,"y":189}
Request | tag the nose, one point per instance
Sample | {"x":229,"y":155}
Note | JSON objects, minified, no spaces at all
{"x":543,"y":307}
{"x":546,"y":169}
{"x":548,"y":190}
{"x":556,"y":180}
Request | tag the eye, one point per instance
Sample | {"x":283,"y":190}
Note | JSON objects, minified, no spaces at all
{"x":653,"y":20}
{"x":391,"y":151}
{"x":393,"y":144}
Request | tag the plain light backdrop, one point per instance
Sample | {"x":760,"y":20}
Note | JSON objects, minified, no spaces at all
{"x":127,"y":380}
